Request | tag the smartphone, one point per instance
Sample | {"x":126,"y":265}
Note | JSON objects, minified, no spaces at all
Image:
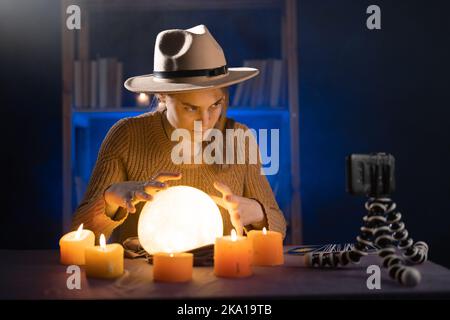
{"x":370,"y":175}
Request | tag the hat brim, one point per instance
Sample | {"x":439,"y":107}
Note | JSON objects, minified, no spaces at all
{"x":148,"y":84}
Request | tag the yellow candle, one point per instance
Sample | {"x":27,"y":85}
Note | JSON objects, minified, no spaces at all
{"x":172,"y":267}
{"x":267,"y":247}
{"x":104,"y":261}
{"x":73,"y":244}
{"x":233,"y":256}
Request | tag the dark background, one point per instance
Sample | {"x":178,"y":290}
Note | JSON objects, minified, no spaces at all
{"x":360,"y":91}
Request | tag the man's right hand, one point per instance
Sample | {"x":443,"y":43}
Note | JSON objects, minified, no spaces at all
{"x":129,"y":193}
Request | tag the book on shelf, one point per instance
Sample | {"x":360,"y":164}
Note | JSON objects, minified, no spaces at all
{"x":275,"y":83}
{"x":98,"y":83}
{"x":77,"y":81}
{"x":94,"y":84}
{"x":268,"y":89}
{"x":80,"y":188}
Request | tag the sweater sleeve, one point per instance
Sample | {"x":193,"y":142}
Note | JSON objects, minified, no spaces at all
{"x":109,"y":169}
{"x":257,"y":187}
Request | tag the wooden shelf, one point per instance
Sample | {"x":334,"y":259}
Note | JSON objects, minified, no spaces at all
{"x":106,"y":110}
{"x":75,"y":45}
{"x":82,"y":117}
{"x":137,"y":109}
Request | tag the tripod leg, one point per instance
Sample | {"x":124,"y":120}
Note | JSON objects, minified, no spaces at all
{"x":385,"y":240}
{"x":414,"y":253}
{"x":342,"y":258}
{"x":377,"y":232}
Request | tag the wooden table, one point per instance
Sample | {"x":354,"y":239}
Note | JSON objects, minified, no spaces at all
{"x":37,"y":274}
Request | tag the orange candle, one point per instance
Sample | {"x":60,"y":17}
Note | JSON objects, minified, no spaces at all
{"x":73,"y":244}
{"x":233,"y":256}
{"x":104,"y":261}
{"x":172,"y":267}
{"x":267,"y":247}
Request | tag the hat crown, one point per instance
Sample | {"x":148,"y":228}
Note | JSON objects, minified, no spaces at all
{"x":188,"y":60}
{"x":190,"y":49}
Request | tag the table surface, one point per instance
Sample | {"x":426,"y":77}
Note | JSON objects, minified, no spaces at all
{"x":37,"y":274}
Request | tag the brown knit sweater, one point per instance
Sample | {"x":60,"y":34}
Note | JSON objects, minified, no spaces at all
{"x":136,"y":149}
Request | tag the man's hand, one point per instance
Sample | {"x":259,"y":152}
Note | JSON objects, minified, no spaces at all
{"x":243,"y":211}
{"x":127,"y":194}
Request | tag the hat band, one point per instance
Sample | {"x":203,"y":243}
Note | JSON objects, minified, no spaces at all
{"x":191,"y":73}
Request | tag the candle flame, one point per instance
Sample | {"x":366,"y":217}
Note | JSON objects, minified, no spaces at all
{"x":102,"y":241}
{"x":78,"y":233}
{"x":264,"y":231}
{"x":171,"y":255}
{"x":233,"y":235}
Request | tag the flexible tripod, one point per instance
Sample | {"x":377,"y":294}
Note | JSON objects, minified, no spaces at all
{"x":383,"y":229}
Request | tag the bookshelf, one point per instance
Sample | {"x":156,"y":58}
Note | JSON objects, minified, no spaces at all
{"x":76,"y":46}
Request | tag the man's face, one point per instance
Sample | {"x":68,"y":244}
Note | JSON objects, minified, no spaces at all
{"x":205,"y":106}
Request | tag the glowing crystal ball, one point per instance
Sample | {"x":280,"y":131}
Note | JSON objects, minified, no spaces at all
{"x":179,"y":219}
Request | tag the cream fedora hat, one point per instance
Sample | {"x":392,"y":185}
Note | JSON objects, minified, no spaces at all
{"x":188,"y":60}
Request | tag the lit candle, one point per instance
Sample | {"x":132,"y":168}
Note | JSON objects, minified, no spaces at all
{"x":104,"y":261}
{"x":172,"y":267}
{"x":233,"y":256}
{"x":73,"y":244}
{"x":267,"y":247}
{"x":143,"y":99}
